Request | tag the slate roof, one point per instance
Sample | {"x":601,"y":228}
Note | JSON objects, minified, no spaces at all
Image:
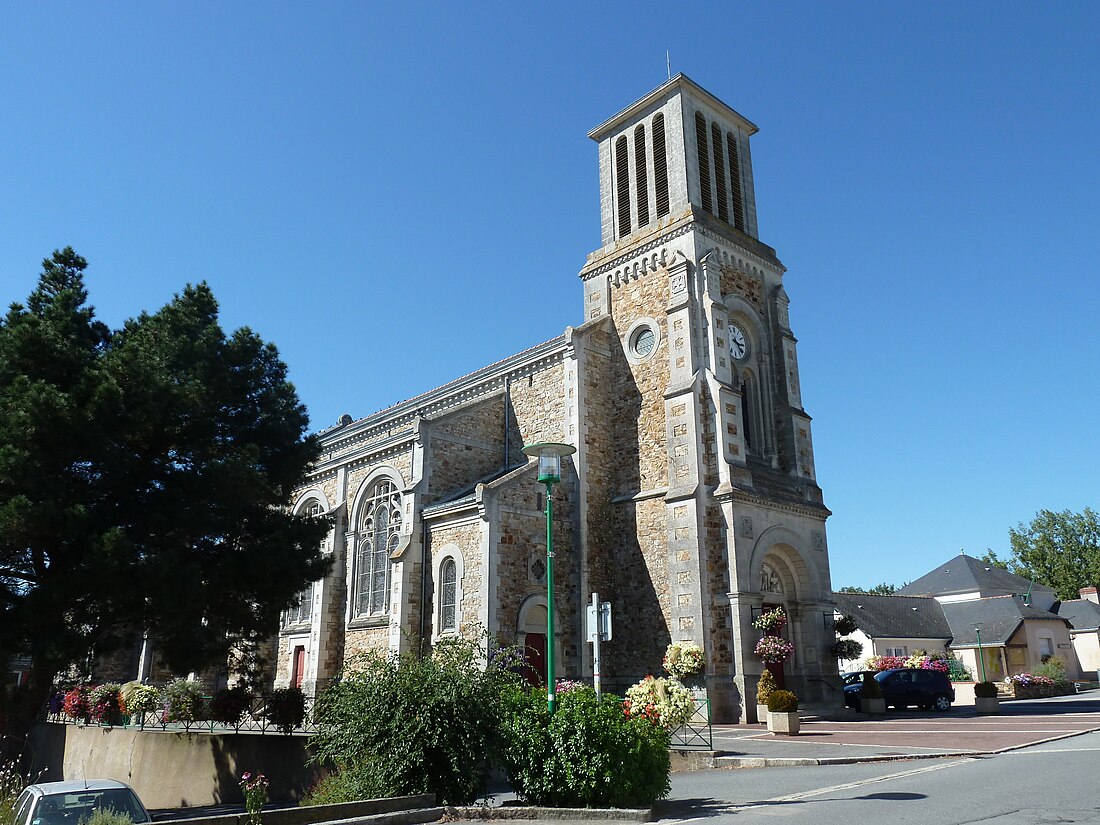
{"x":999,"y":617}
{"x":897,"y":617}
{"x":1081,"y":613}
{"x":966,"y":574}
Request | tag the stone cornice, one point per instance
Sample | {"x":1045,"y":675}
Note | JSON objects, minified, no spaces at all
{"x":478,"y":384}
{"x":809,"y":510}
{"x":369,"y":452}
{"x":601,"y":265}
{"x":722,"y":237}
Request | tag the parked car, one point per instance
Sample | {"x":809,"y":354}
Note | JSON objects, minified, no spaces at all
{"x":903,"y":686}
{"x":854,"y":677}
{"x":74,"y":801}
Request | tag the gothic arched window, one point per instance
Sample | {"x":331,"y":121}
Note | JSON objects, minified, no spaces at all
{"x":705,"y":199}
{"x":448,"y":597}
{"x":378,"y":536}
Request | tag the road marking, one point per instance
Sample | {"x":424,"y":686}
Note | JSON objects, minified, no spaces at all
{"x":795,"y":797}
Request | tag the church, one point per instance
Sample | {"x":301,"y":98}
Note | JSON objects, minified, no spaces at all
{"x":691,"y":503}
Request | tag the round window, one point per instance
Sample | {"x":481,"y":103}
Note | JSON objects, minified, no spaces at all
{"x":644,"y":341}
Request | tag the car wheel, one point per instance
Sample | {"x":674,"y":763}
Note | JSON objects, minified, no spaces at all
{"x":942,"y":703}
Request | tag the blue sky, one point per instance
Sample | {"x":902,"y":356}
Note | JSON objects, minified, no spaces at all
{"x":378,"y":185}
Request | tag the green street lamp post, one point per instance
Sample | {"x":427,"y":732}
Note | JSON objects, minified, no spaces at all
{"x":549,"y":456}
{"x":981,"y":656}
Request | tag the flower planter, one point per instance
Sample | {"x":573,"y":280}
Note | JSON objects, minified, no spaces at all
{"x":785,"y":724}
{"x":877,"y":705}
{"x":761,"y":713}
{"x":987,"y":704}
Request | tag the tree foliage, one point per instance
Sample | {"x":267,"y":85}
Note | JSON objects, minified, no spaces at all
{"x":883,"y":589}
{"x":1060,"y":550}
{"x":144,"y":478}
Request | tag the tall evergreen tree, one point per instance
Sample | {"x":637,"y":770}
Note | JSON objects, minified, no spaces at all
{"x":145,"y":475}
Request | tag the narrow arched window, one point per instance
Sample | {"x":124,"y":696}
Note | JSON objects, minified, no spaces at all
{"x":751,"y":414}
{"x":378,"y":536}
{"x":660,"y":167}
{"x":719,"y":172}
{"x":735,"y":182}
{"x":303,"y":611}
{"x":641,"y":176}
{"x":704,"y":163}
{"x":622,"y":185}
{"x":448,"y":596}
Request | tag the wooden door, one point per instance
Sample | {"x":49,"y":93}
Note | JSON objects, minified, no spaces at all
{"x":298,"y":671}
{"x":534,"y":670}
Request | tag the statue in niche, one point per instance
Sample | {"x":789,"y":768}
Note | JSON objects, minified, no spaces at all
{"x":769,"y":580}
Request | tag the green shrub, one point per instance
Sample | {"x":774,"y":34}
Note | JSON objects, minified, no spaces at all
{"x":228,"y":705}
{"x":765,"y":687}
{"x":590,"y":754}
{"x":413,"y":724}
{"x":870,"y":688}
{"x":106,"y":816}
{"x":985,"y":690}
{"x":1053,"y":668}
{"x":782,"y":701}
{"x":286,"y":708}
{"x":182,"y":701}
{"x":847,"y":649}
{"x":344,"y":785}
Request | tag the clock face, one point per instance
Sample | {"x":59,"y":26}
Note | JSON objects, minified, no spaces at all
{"x":738,"y":345}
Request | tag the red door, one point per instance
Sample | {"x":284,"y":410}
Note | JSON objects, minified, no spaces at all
{"x":298,"y":670}
{"x":775,"y":667}
{"x":535,"y":652}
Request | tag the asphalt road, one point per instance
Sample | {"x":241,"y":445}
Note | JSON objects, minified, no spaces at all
{"x":1055,"y":782}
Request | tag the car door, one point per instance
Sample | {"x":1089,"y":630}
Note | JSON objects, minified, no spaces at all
{"x":898,"y":688}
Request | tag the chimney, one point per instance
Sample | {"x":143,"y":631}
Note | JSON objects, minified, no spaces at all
{"x":1090,"y":594}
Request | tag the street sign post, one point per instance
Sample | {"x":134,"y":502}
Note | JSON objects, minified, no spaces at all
{"x":599,"y":630}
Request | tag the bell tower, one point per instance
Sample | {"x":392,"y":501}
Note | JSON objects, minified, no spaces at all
{"x":703,"y":349}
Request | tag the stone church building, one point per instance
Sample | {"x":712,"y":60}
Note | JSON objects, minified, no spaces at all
{"x":691,"y":503}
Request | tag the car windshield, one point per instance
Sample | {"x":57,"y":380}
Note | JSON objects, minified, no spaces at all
{"x":76,"y":807}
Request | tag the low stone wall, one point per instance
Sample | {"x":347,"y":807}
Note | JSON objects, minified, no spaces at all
{"x":172,"y":769}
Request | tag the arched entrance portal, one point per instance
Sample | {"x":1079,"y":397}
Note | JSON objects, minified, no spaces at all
{"x":531,"y":635}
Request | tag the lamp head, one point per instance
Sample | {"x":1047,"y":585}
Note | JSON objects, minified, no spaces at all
{"x":549,"y":455}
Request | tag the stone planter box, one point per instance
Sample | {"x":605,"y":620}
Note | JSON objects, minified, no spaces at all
{"x":761,"y":713}
{"x":987,"y":704}
{"x":872,"y":705}
{"x":783,"y":723}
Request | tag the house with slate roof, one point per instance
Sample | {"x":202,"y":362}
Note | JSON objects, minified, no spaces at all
{"x":1016,"y":618}
{"x":1014,"y":637}
{"x":893,"y":625}
{"x":1084,"y":615}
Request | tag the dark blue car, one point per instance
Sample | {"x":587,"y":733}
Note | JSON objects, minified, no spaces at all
{"x":904,"y":686}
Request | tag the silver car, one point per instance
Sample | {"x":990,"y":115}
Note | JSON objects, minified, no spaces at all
{"x":73,"y":802}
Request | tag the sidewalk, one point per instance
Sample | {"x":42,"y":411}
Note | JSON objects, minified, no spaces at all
{"x":849,"y":737}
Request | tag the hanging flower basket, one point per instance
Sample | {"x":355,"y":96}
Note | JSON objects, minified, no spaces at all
{"x":773,"y":620}
{"x":774,"y":649}
{"x":684,"y":659}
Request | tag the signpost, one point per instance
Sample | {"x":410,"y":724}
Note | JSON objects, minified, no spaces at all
{"x":599,"y":630}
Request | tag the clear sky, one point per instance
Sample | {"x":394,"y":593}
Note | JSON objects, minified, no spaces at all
{"x":397,"y":193}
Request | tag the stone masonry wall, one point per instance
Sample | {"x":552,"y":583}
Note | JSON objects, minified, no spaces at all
{"x":465,"y":447}
{"x":538,"y":410}
{"x":467,"y":536}
{"x":522,"y":558}
{"x":638,"y":418}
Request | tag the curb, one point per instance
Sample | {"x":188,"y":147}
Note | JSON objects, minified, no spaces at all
{"x":734,"y":762}
{"x":534,"y":812}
